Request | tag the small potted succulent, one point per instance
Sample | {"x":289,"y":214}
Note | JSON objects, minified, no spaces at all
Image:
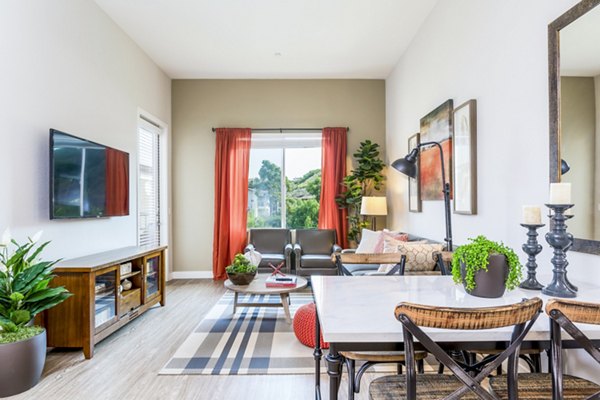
{"x":486,"y":268}
{"x":24,"y":292}
{"x":241,"y":271}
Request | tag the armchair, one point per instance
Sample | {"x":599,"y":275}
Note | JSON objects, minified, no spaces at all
{"x":275,"y":246}
{"x":313,"y":252}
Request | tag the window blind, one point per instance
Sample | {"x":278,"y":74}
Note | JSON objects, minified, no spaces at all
{"x":148,"y":186}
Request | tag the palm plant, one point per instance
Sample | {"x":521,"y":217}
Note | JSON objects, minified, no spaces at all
{"x":24,"y":284}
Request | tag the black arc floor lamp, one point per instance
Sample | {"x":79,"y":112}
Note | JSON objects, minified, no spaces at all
{"x":408,"y":166}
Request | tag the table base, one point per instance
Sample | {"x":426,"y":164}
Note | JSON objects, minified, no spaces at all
{"x":285,"y":301}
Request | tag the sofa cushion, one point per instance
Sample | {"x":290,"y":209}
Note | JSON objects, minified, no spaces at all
{"x":419,"y":256}
{"x":360,"y":269}
{"x":316,"y":241}
{"x":316,"y":261}
{"x":267,"y":240}
{"x":271,"y":258}
{"x":368,"y":241}
{"x":393,"y":234}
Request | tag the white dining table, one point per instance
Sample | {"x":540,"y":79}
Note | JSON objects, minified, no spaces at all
{"x":357,"y":313}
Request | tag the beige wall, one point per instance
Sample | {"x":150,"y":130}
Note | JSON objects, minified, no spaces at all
{"x":199,"y":105}
{"x":578,"y":148}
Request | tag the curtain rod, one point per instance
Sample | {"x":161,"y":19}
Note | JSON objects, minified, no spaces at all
{"x":280,"y":130}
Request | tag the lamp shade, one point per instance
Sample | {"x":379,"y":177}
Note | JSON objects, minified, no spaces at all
{"x":372,"y":205}
{"x":408,"y":164}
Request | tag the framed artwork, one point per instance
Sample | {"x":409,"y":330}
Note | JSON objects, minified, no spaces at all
{"x":414,"y":190}
{"x":436,"y":127}
{"x":465,"y":158}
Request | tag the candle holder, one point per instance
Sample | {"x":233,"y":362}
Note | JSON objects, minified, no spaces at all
{"x":532,"y":248}
{"x":573,"y":287}
{"x":561,"y":241}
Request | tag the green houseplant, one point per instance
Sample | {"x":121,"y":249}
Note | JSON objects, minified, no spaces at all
{"x":365,"y":179}
{"x":24,"y":292}
{"x":241,"y":271}
{"x":486,"y":268}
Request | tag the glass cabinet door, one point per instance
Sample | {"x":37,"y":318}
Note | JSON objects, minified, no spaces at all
{"x":105,"y":303}
{"x":152,"y":275}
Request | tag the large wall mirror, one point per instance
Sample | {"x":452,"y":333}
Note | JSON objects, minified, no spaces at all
{"x":574,"y":81}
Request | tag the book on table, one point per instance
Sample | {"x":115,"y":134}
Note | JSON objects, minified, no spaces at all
{"x":281,"y":281}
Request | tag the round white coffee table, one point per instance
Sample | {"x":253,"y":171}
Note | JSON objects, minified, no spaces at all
{"x":257,"y":286}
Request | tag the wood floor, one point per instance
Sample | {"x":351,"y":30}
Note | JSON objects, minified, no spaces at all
{"x":126,"y":364}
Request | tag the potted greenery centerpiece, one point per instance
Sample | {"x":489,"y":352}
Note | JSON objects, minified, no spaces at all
{"x":241,"y":271}
{"x":486,"y":268}
{"x":24,"y":292}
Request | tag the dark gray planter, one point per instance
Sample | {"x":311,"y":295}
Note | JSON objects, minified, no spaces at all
{"x":241,"y":279}
{"x":22,"y":364}
{"x":490,"y":283}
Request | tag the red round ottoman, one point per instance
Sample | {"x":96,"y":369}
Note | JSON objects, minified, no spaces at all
{"x":304,"y":326}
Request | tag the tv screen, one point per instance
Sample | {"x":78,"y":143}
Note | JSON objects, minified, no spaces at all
{"x":87,"y":179}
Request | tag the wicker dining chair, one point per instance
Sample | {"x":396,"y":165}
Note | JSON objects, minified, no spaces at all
{"x":461,"y":384}
{"x":555,"y":385}
{"x":396,"y":260}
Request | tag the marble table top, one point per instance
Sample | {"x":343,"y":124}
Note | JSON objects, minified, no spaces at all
{"x":361,"y":308}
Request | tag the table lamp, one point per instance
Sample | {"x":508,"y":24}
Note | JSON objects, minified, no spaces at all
{"x":373,"y":206}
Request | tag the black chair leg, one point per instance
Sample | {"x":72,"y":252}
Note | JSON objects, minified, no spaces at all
{"x":350,"y":364}
{"x":440,"y":368}
{"x":399,"y":368}
{"x":420,"y":367}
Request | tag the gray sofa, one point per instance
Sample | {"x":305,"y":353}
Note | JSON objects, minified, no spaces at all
{"x":368,"y":269}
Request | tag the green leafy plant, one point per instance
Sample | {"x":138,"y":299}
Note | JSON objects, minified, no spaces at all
{"x":24,"y":286}
{"x":365,"y":179}
{"x":240,"y":265}
{"x":475,"y":257}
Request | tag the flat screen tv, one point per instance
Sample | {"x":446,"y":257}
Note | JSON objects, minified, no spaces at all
{"x":87,"y":179}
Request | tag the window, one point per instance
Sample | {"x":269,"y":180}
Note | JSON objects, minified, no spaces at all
{"x":148,"y":184}
{"x":284,"y":184}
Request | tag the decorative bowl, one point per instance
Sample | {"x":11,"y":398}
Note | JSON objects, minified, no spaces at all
{"x":241,"y":279}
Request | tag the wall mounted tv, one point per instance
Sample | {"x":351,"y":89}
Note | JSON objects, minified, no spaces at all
{"x":87,"y":179}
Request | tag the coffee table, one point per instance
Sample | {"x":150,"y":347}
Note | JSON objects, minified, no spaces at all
{"x":257,"y":286}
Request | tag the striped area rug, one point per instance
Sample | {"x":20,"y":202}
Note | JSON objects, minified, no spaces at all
{"x":254,"y":341}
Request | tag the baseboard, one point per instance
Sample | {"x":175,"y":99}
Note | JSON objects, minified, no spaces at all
{"x":191,"y":275}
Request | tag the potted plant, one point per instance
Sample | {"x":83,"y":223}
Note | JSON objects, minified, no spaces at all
{"x":486,"y":268}
{"x":24,"y":292}
{"x":241,"y":271}
{"x":364,"y":180}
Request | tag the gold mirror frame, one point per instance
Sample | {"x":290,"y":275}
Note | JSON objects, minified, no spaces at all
{"x":580,"y":9}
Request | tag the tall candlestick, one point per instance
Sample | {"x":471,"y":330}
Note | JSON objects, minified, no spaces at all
{"x":532,"y":215}
{"x":560,"y":193}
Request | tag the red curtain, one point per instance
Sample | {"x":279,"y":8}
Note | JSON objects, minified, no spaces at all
{"x":232,"y":162}
{"x":333,"y":171}
{"x":117,"y":182}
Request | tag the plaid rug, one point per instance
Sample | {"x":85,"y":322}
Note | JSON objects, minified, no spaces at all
{"x":256,"y":340}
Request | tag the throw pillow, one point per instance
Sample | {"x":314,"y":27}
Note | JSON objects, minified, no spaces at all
{"x":368,"y":241}
{"x":391,"y":234}
{"x":419,"y":256}
{"x":390,"y":245}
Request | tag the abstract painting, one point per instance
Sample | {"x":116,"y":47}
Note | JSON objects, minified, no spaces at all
{"x":414,"y":191}
{"x":436,"y":127}
{"x":464,"y":160}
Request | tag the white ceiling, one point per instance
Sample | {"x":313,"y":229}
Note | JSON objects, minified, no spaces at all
{"x":241,"y":38}
{"x":579,"y":48}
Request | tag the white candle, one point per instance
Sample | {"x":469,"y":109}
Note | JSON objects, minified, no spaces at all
{"x":560,"y":193}
{"x":532,"y":215}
